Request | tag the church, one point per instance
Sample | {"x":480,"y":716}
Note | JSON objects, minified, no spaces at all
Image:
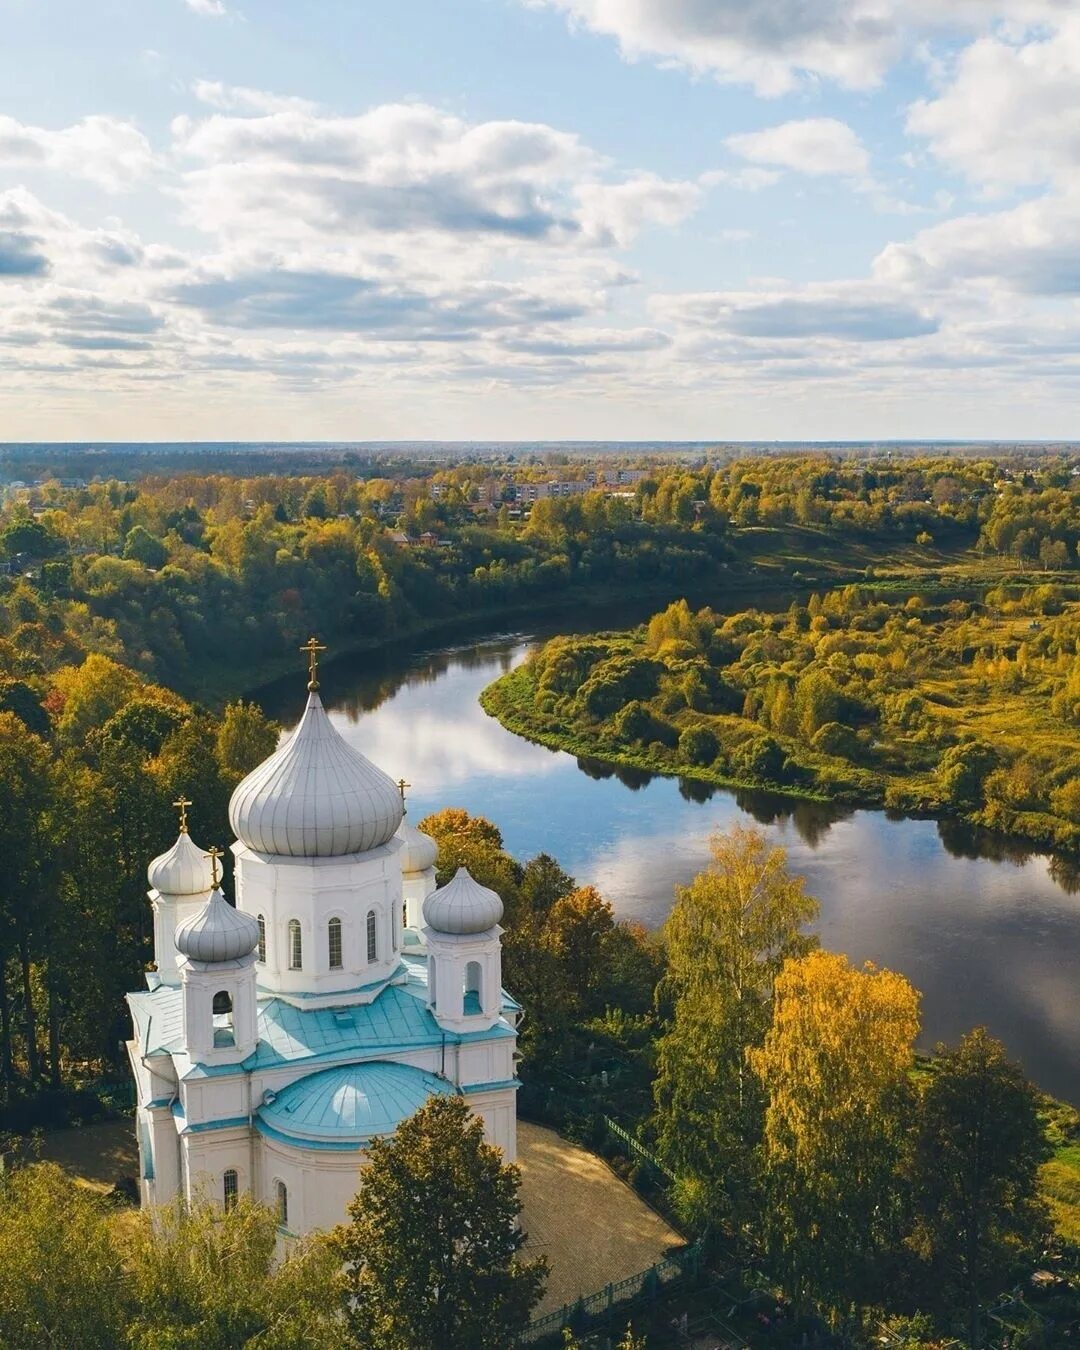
{"x":278,"y":1037}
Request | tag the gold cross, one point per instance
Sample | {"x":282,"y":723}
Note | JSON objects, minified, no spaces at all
{"x":312,"y":646}
{"x":182,"y":803}
{"x":213,"y":854}
{"x":402,"y":785}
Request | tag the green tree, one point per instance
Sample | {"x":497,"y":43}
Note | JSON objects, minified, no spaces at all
{"x":974,"y":1174}
{"x":431,"y":1248}
{"x":835,"y":1066}
{"x":60,"y":1272}
{"x":728,"y":936}
{"x":143,"y":547}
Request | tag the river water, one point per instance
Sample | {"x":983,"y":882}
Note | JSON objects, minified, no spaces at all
{"x":990,"y":935}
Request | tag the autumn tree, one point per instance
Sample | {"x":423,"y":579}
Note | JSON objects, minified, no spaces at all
{"x":245,"y":738}
{"x":60,"y":1271}
{"x":728,"y":936}
{"x":835,"y":1069}
{"x":201,"y":1277}
{"x":979,"y":1145}
{"x":431,"y":1250}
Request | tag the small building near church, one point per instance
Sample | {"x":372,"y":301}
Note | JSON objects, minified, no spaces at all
{"x":277,"y":1037}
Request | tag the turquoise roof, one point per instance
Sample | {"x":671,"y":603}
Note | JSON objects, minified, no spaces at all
{"x":348,"y":1105}
{"x":397,"y":1019}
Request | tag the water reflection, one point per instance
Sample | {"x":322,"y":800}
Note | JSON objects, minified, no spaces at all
{"x":988,"y":930}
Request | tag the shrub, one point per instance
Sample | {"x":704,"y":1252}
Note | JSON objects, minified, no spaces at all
{"x":834,"y":738}
{"x":698,"y":745}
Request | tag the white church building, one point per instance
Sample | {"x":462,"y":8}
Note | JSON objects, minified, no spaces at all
{"x":277,"y":1038}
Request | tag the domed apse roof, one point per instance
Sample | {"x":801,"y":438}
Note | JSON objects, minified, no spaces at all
{"x":183,"y":870}
{"x":462,"y":906}
{"x":419,"y":851}
{"x":349,"y":1105}
{"x":315,"y":797}
{"x":217,"y":932}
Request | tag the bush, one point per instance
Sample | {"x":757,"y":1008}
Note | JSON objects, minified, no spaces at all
{"x":834,"y":738}
{"x":698,"y":745}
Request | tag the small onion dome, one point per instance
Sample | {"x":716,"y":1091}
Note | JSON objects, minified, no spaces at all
{"x":217,"y":932}
{"x":183,"y":870}
{"x":419,"y":850}
{"x":462,"y":906}
{"x":315,"y":797}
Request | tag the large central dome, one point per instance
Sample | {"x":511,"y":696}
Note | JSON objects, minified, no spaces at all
{"x":315,"y":797}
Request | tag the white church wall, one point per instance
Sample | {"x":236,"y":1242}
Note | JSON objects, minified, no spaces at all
{"x":311,"y":891}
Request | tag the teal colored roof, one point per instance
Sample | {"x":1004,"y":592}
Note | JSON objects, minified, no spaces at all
{"x":348,"y":1105}
{"x":397,"y":1019}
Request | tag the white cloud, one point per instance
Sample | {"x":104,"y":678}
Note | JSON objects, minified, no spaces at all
{"x":842,"y":311}
{"x":1009,"y":114}
{"x":403,"y":170}
{"x":1031,"y":249}
{"x":239,"y":98}
{"x":773,"y":44}
{"x":104,"y":150}
{"x":212,"y":9}
{"x":814,"y":145}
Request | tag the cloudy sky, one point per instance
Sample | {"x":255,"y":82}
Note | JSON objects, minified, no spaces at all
{"x":683,"y":219}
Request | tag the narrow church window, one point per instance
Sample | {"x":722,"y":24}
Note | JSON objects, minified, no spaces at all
{"x":223,"y":1019}
{"x":296,"y":946}
{"x":262,"y":938}
{"x":231,"y":1186}
{"x":334,"y":936}
{"x":474,"y":987}
{"x":372,"y":937}
{"x":282,"y":1204}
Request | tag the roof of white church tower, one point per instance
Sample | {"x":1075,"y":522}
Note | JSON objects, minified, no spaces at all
{"x":217,"y":932}
{"x":462,"y":906}
{"x":183,"y":869}
{"x":419,"y":850}
{"x":315,"y":797}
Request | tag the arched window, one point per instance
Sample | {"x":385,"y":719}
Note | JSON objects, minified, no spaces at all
{"x":282,"y":1197}
{"x":223,"y":1019}
{"x":296,"y":946}
{"x":231,"y":1187}
{"x":372,"y":937}
{"x":333,"y":934}
{"x":474,"y":987}
{"x":262,"y":939}
{"x":431,"y":968}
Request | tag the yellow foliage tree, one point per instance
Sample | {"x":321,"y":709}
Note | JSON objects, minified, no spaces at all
{"x":835,"y":1066}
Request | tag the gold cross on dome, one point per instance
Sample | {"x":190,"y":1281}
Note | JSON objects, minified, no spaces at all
{"x":402,"y":785}
{"x":182,"y":803}
{"x":313,"y":647}
{"x":214,"y":854}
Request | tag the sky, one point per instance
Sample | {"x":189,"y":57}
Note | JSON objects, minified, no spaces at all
{"x":539,"y":219}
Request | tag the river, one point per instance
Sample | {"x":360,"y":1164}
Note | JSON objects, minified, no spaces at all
{"x":989,"y":934}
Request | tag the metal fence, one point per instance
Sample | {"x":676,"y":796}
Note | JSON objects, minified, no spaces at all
{"x":595,"y":1307}
{"x":637,"y":1150}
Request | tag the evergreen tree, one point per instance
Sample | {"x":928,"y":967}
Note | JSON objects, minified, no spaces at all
{"x":431,"y":1249}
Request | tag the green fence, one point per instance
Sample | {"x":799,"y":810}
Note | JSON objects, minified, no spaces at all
{"x":593,"y":1308}
{"x":637,"y":1150}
